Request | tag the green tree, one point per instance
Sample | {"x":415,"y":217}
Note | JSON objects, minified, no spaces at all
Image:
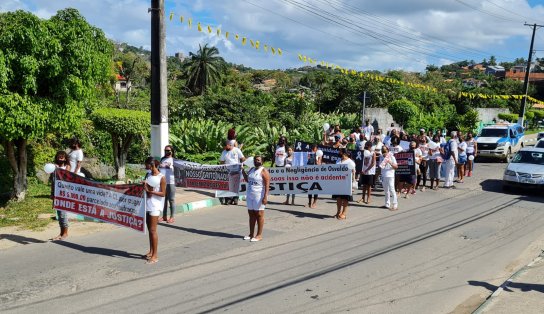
{"x":402,"y":111}
{"x":48,"y":70}
{"x":134,"y":69}
{"x":124,"y":126}
{"x":204,"y":69}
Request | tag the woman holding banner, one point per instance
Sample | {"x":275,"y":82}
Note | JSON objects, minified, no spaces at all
{"x":167,"y":169}
{"x":342,"y":201}
{"x":156,"y":192}
{"x":61,"y":161}
{"x":258,"y":185}
{"x":369,"y":170}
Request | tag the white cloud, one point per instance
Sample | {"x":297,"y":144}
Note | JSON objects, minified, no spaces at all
{"x":385,"y":34}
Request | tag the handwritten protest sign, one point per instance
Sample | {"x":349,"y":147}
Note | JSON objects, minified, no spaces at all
{"x":123,"y":205}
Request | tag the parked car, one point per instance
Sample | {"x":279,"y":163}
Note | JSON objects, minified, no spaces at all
{"x":540,"y":143}
{"x":500,"y":140}
{"x":540,"y":136}
{"x":525,"y":170}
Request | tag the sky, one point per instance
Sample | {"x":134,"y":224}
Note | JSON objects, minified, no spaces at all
{"x":356,"y":34}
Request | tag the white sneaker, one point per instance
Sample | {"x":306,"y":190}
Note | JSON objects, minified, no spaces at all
{"x":247,"y":238}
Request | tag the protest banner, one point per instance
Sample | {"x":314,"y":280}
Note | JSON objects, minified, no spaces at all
{"x":123,"y":205}
{"x":322,"y":179}
{"x":406,"y":163}
{"x":330,"y":155}
{"x":208,"y":177}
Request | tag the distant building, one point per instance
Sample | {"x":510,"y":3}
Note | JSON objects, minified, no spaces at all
{"x":518,"y":73}
{"x":180,"y":56}
{"x":496,"y":71}
{"x":121,"y":85}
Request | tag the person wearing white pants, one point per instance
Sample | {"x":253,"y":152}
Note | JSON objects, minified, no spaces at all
{"x":388,"y":164}
{"x":451,"y":162}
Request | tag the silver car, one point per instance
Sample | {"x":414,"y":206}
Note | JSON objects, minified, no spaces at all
{"x":526,"y":169}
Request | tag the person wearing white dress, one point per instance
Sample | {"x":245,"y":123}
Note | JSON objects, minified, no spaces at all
{"x":154,"y":207}
{"x":258,"y":187}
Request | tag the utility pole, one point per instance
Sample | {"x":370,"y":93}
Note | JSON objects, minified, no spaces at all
{"x":363,"y":99}
{"x":159,"y":100}
{"x":527,"y":72}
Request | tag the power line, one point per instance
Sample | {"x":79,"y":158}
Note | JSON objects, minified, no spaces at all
{"x":427,"y":39}
{"x":501,"y":17}
{"x":507,"y":10}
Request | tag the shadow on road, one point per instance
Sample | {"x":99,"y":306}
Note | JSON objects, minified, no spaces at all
{"x":98,"y":250}
{"x":524,"y":287}
{"x":526,"y":194}
{"x":300,"y":214}
{"x":216,"y":234}
{"x":20,"y":239}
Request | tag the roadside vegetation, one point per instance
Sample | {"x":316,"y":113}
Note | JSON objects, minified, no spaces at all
{"x":207,"y":96}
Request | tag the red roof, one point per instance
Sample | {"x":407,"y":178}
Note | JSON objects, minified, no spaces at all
{"x":120,"y":77}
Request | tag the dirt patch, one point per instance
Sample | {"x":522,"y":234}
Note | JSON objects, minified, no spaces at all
{"x":470,"y":304}
{"x":14,"y":236}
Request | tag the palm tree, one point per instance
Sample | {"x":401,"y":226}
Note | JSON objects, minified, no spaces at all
{"x":203,"y":69}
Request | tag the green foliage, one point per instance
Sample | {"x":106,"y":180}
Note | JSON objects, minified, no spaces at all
{"x":402,"y":110}
{"x":203,"y":69}
{"x":25,"y":214}
{"x":121,"y":122}
{"x":539,"y":114}
{"x":510,"y":117}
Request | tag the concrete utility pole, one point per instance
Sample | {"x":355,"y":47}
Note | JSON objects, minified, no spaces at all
{"x":526,"y":81}
{"x":363,"y":100}
{"x":159,"y":92}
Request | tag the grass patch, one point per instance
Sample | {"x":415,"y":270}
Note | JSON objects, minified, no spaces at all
{"x":25,"y":214}
{"x":533,"y":131}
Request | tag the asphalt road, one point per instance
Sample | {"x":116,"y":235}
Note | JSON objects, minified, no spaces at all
{"x":440,"y":253}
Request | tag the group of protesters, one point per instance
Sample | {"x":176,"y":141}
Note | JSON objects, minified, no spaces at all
{"x":434,"y":157}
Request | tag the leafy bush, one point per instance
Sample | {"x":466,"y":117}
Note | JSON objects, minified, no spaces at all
{"x":510,"y":117}
{"x":402,"y":111}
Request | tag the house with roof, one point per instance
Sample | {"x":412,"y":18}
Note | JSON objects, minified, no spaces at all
{"x":496,"y":71}
{"x":121,"y":85}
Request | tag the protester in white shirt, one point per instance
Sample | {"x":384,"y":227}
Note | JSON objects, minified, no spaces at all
{"x":472,"y":150}
{"x":230,"y":156}
{"x":424,"y":165}
{"x":435,"y":161}
{"x":166,"y":167}
{"x":75,"y":156}
{"x":280,"y":154}
{"x":451,"y":161}
{"x":388,"y":164}
{"x":369,"y":170}
{"x":368,"y":130}
{"x":342,"y":201}
{"x":462,"y":149}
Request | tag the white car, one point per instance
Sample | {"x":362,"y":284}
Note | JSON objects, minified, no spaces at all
{"x":525,"y":170}
{"x":540,"y":136}
{"x":540,"y":143}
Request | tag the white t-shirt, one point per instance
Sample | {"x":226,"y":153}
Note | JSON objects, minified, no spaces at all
{"x":418,"y":154}
{"x":367,"y":161}
{"x":280,"y":156}
{"x":155,"y":202}
{"x":424,"y":151}
{"x":74,"y":157}
{"x":434,"y":150}
{"x":387,"y":170}
{"x":368,"y":130}
{"x":351,"y":166}
{"x":463,"y":149}
{"x":470,"y":146}
{"x":233,"y":156}
{"x":167,"y":169}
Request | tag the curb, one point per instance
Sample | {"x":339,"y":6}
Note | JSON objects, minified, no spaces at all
{"x":497,"y":292}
